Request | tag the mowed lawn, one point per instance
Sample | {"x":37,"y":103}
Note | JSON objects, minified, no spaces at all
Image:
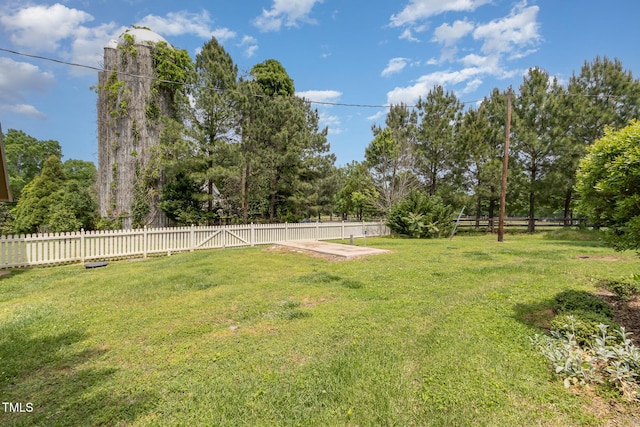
{"x":437,"y":332}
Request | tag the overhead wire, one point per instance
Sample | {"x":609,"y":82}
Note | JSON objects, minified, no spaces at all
{"x":102,"y":69}
{"x":326,"y":103}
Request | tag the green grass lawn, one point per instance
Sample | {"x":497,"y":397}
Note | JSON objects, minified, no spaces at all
{"x":435,"y":333}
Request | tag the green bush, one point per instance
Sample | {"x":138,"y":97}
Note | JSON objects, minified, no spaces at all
{"x":624,"y":288}
{"x":421,"y":216}
{"x":583,"y":324}
{"x":607,"y":358}
{"x":571,"y":300}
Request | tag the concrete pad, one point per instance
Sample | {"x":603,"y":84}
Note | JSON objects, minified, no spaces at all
{"x":334,"y":249}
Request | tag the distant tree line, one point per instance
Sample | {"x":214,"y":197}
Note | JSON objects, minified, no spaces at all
{"x":50,"y":196}
{"x":245,"y":148}
{"x":445,"y":148}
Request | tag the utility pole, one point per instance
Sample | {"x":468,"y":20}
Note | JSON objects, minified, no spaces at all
{"x":505,"y":165}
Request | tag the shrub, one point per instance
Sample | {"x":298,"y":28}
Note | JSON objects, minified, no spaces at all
{"x":583,"y":324}
{"x":606,"y":359}
{"x":571,"y":300}
{"x":421,"y":216}
{"x":624,"y":288}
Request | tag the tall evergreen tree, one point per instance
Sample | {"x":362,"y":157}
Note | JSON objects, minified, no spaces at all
{"x":390,"y":157}
{"x":280,"y":139}
{"x":214,"y":120}
{"x":602,"y":95}
{"x":53,"y":203}
{"x":481,"y":136}
{"x":537,"y":132}
{"x":439,"y":114}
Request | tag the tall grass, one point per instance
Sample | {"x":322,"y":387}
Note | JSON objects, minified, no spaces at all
{"x":434,"y":333}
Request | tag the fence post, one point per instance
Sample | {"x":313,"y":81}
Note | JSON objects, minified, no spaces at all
{"x":286,"y":231}
{"x":252,"y":235}
{"x":192,"y":239}
{"x":144,"y":242}
{"x":317,"y":230}
{"x":82,"y":245}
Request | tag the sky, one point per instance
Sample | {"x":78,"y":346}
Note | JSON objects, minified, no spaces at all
{"x":353,"y":58}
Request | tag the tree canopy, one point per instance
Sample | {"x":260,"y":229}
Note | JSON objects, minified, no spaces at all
{"x":608,"y":181}
{"x":56,"y":201}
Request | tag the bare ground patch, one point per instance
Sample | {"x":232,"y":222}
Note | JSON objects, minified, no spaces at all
{"x":313,"y":254}
{"x":599,"y":257}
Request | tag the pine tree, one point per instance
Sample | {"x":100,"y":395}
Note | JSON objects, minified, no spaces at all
{"x":439,"y":115}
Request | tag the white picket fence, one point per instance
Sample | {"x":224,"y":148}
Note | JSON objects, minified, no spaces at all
{"x":56,"y":248}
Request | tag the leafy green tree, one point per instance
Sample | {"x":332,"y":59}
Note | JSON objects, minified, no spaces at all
{"x":52,"y":202}
{"x":182,"y":201}
{"x":39,"y":195}
{"x":358,"y":194}
{"x":608,"y":182}
{"x":25,"y":156}
{"x":273,"y":79}
{"x":326,"y":184}
{"x":80,"y":170}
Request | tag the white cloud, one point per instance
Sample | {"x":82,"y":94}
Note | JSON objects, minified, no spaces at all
{"x":394,"y":66}
{"x":87,"y":46}
{"x":45,"y":28}
{"x":320,"y":95}
{"x":407,"y":34}
{"x":17,"y":78}
{"x":518,"y":29}
{"x":472,"y":86}
{"x":331,"y":122}
{"x":287,"y":12}
{"x":500,"y":40}
{"x":41,"y":28}
{"x":377,"y":116}
{"x":448,"y":35}
{"x":23,"y":110}
{"x":250,"y":45}
{"x":418,"y":10}
{"x":178,"y":23}
{"x":410,"y":94}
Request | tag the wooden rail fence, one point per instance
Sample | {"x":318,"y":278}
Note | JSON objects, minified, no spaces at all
{"x":491,"y":224}
{"x":56,"y":248}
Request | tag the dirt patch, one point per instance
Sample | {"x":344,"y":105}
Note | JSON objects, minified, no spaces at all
{"x":613,"y":413}
{"x":313,"y":254}
{"x":312,"y":302}
{"x":626,"y":313}
{"x":599,"y":257}
{"x":540,"y":318}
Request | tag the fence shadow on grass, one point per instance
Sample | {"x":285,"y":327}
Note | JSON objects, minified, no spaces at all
{"x":40,"y":369}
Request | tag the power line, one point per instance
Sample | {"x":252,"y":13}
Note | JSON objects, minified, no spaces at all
{"x":101,"y":69}
{"x":327,"y":103}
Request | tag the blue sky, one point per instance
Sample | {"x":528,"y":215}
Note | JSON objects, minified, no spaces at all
{"x":345,"y":52}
